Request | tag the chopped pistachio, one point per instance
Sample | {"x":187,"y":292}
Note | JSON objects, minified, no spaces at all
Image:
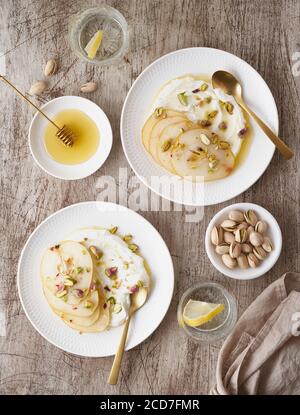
{"x":183,"y":99}
{"x":78,"y":270}
{"x":112,"y":300}
{"x":133,"y":247}
{"x":61,"y":294}
{"x":223,"y":145}
{"x":222,"y":125}
{"x":208,"y":100}
{"x":140,"y":283}
{"x":212,"y":114}
{"x":203,"y":87}
{"x":159,"y":112}
{"x":229,"y":107}
{"x":113,"y":230}
{"x":166,"y":145}
{"x":127,"y":238}
{"x":205,"y":123}
{"x":126,"y":265}
{"x":69,"y":281}
{"x":83,"y":252}
{"x":88,"y":269}
{"x":88,"y":304}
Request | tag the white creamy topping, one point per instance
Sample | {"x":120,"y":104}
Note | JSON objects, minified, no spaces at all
{"x":130,"y":267}
{"x":168,"y":98}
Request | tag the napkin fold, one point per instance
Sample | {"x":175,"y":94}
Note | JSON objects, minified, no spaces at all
{"x":262,"y":354}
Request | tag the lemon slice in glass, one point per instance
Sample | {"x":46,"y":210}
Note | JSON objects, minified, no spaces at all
{"x":94,"y":44}
{"x":196,"y":313}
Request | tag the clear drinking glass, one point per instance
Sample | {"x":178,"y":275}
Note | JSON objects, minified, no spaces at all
{"x":221,"y":325}
{"x":115,"y":39}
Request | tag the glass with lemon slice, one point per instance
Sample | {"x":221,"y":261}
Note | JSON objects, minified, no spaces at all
{"x":207,"y":312}
{"x":99,"y":35}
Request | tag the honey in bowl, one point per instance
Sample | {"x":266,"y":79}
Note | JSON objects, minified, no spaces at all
{"x":86,"y":141}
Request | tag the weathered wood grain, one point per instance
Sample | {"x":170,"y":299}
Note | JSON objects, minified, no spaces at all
{"x":266,"y":35}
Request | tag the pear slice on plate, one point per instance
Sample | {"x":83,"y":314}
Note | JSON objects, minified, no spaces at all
{"x":68,"y":263}
{"x":157,"y":130}
{"x":165,"y":141}
{"x":198,"y":155}
{"x":100,"y":324}
{"x":152,"y":120}
{"x":75,"y":310}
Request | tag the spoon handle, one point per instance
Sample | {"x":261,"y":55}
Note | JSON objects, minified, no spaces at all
{"x":114,"y":373}
{"x":282,"y":147}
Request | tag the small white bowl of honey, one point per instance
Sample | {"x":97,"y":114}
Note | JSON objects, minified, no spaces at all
{"x":92,"y":143}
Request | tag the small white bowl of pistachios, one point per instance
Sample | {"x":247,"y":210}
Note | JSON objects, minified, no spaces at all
{"x":243,"y":241}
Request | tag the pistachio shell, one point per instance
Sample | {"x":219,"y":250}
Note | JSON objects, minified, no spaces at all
{"x":256,"y":239}
{"x":228,"y":237}
{"x":222,"y":249}
{"x":250,"y":217}
{"x":249,"y":231}
{"x":243,"y":225}
{"x":259,"y":252}
{"x":241,"y":235}
{"x":38,"y":88}
{"x":267,"y":244}
{"x":242,"y":261}
{"x":214,"y":237}
{"x":89,"y":87}
{"x":261,"y":226}
{"x":246,"y":248}
{"x":229,"y":225}
{"x":228,"y":261}
{"x":236,"y":215}
{"x":253,"y":260}
{"x":50,"y":68}
{"x":235,"y":250}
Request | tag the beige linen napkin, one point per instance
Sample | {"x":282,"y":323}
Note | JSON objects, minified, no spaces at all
{"x":262,"y":354}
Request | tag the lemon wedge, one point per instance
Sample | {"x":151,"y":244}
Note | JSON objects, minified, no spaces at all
{"x":94,"y":44}
{"x":196,"y":313}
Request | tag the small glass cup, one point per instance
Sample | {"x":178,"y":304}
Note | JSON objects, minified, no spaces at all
{"x":115,"y":39}
{"x":222,"y":324}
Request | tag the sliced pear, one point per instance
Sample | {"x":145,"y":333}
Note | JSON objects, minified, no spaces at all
{"x":100,"y":324}
{"x":154,"y":119}
{"x":195,"y":153}
{"x":166,"y":139}
{"x":75,"y":310}
{"x":68,"y":259}
{"x":157,"y":130}
{"x":78,"y":320}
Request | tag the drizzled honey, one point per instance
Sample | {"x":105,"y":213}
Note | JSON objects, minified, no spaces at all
{"x":86,"y":141}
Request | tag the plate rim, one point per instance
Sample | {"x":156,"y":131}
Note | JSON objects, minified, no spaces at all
{"x":93,"y":202}
{"x":148,"y":67}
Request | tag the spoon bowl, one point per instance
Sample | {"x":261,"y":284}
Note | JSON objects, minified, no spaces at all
{"x":230,"y":85}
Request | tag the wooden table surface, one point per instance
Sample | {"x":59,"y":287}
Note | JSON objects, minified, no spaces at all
{"x":265,"y":34}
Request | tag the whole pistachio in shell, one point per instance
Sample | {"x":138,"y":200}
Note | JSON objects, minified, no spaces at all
{"x":259,"y":252}
{"x":242,"y":261}
{"x":241,"y":235}
{"x":89,"y":87}
{"x":216,"y":235}
{"x":253,"y":260}
{"x":250,"y":217}
{"x":261,"y":226}
{"x":50,"y":68}
{"x":222,"y":249}
{"x":229,"y":237}
{"x":267,"y":244}
{"x":38,"y":88}
{"x":249,"y":231}
{"x":228,"y":225}
{"x":236,"y":215}
{"x":246,"y":248}
{"x":243,"y":225}
{"x":256,"y":239}
{"x":235,"y":250}
{"x":228,"y":261}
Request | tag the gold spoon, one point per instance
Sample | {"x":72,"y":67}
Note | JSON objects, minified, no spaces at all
{"x":137,"y":301}
{"x":64,"y":133}
{"x":230,"y":85}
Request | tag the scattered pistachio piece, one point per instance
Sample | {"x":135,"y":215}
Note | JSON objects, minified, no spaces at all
{"x":61,"y":294}
{"x":133,"y":247}
{"x":166,"y":145}
{"x":78,"y":270}
{"x":229,"y":107}
{"x":88,"y":304}
{"x":127,"y":238}
{"x":212,"y":114}
{"x":183,"y":99}
{"x":113,"y":230}
{"x":203,"y":87}
{"x":112,"y":300}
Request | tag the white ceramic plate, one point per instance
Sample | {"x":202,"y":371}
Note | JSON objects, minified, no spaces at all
{"x":198,"y":61}
{"x":273,"y":232}
{"x":64,"y":171}
{"x":53,"y":230}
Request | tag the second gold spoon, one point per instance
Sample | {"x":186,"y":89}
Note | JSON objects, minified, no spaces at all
{"x":137,"y":301}
{"x":230,"y":85}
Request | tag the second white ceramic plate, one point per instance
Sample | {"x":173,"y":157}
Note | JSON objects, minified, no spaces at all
{"x":198,"y":61}
{"x":53,"y":230}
